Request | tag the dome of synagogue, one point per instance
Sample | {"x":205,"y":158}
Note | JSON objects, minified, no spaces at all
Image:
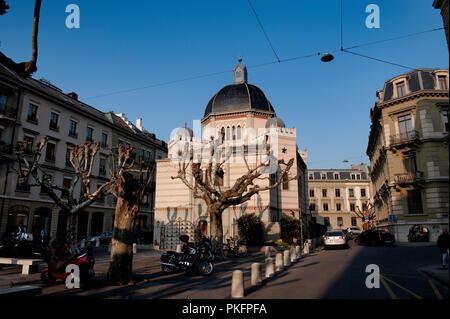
{"x":275,"y":122}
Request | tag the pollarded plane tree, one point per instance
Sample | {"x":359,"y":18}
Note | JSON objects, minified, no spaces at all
{"x":201,"y":179}
{"x":370,"y":213}
{"x":130,"y":182}
{"x":81,"y":158}
{"x":24,"y":69}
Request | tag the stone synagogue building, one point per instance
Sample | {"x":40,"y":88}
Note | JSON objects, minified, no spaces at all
{"x":231,"y":112}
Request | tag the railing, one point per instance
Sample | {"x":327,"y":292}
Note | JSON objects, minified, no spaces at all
{"x":403,"y":138}
{"x":407,"y":178}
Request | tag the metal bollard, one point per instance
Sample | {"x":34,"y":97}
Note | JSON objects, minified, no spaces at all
{"x":237,"y":284}
{"x":298,"y":252}
{"x":256,"y":274}
{"x":269,"y":267}
{"x":97,"y":242}
{"x":286,"y":258}
{"x":178,"y":249}
{"x":293,"y":255}
{"x":134,"y":248}
{"x":267,"y":252}
{"x":279,"y":262}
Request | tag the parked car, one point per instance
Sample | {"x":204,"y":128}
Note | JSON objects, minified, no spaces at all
{"x":105,"y":238}
{"x":375,"y":237}
{"x":334,"y":238}
{"x":354,"y":230}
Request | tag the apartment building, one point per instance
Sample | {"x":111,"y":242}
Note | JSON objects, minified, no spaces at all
{"x":408,"y":151}
{"x":335,"y":195}
{"x":31,"y":109}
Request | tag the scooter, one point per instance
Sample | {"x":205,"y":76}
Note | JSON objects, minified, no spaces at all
{"x":59,"y":260}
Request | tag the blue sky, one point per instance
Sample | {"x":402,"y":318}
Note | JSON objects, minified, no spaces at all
{"x":123,"y":45}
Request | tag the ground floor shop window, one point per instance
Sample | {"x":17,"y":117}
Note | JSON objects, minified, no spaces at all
{"x":414,"y":202}
{"x":17,"y":216}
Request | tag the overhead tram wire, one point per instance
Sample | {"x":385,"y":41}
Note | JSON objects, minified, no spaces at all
{"x":276,"y":62}
{"x":264,"y":31}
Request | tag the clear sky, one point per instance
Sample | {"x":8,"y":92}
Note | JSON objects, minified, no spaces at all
{"x":123,"y":45}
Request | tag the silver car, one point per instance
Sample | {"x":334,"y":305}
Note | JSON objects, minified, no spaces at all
{"x":334,"y":238}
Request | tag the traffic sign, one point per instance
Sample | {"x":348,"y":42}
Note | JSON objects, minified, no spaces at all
{"x":366,"y":217}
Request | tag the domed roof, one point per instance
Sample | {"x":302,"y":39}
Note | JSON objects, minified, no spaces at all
{"x":182,"y":133}
{"x":238,"y":97}
{"x":275,"y":122}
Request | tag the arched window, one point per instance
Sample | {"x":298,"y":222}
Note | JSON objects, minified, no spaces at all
{"x":17,"y":216}
{"x":234,"y":133}
{"x":222,"y":134}
{"x":239,"y":133}
{"x":96,"y":223}
{"x":42,"y":220}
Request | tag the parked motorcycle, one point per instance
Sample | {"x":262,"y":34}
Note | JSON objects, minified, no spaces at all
{"x":193,"y":257}
{"x":18,"y":243}
{"x":60,"y":256}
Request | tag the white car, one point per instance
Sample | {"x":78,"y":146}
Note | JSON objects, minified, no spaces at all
{"x":334,"y":238}
{"x":354,"y":230}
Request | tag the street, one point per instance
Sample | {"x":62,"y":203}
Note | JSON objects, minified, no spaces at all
{"x":326,"y":274}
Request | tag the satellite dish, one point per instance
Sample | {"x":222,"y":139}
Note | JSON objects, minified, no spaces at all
{"x":327,"y":57}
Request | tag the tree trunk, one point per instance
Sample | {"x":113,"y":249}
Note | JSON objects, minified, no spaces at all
{"x":61,"y":231}
{"x":216,"y":231}
{"x":121,"y":259}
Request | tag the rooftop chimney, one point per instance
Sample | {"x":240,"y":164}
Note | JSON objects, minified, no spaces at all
{"x":73,"y":95}
{"x":139,"y":124}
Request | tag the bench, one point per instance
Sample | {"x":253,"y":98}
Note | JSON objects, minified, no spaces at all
{"x":29,"y":266}
{"x":20,"y":291}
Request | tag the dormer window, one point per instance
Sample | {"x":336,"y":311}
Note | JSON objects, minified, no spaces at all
{"x":442,"y":80}
{"x":401,"y":89}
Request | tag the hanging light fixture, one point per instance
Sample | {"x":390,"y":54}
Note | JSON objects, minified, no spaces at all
{"x":327,"y":57}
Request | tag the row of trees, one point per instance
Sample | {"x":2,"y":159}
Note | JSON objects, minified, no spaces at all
{"x":128,"y":183}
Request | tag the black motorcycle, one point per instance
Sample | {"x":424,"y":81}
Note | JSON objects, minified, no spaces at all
{"x":193,"y":257}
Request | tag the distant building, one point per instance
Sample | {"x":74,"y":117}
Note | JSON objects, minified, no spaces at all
{"x":335,"y":195}
{"x":31,"y":109}
{"x":408,"y":151}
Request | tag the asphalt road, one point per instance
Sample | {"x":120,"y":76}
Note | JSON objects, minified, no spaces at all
{"x":327,"y":274}
{"x":341,"y":274}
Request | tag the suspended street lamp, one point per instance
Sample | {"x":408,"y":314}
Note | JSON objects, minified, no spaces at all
{"x":327,"y":57}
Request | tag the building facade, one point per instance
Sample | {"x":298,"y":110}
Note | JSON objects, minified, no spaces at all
{"x":335,"y":196}
{"x":408,"y":151}
{"x":31,"y":109}
{"x":233,"y":112}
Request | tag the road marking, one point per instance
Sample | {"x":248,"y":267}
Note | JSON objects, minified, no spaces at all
{"x":436,"y":291}
{"x":401,"y":287}
{"x":389,"y":290}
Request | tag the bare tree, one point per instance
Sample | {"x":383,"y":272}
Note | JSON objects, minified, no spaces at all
{"x":82,"y":160}
{"x":371,"y":214}
{"x":129,"y":185}
{"x":24,"y":69}
{"x":217,"y":198}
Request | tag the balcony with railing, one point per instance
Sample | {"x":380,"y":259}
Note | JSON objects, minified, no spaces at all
{"x":404,"y":138}
{"x":408,"y":178}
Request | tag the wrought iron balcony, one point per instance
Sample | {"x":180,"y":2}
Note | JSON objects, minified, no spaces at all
{"x":404,"y":138}
{"x":408,"y":178}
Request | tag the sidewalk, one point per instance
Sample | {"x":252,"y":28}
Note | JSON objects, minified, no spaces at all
{"x":437,"y":273}
{"x":415,"y":244}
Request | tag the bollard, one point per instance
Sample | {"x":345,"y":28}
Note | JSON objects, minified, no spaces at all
{"x":97,"y":242}
{"x":267,"y":252}
{"x":83,"y":243}
{"x":178,"y":249}
{"x":286,"y":258}
{"x":134,"y":248}
{"x":293,"y":255}
{"x":270,"y":269}
{"x":237,"y":284}
{"x":298,"y":252}
{"x":256,"y":274}
{"x":279,"y":262}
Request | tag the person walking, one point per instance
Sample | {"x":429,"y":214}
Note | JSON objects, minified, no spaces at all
{"x":443,"y":244}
